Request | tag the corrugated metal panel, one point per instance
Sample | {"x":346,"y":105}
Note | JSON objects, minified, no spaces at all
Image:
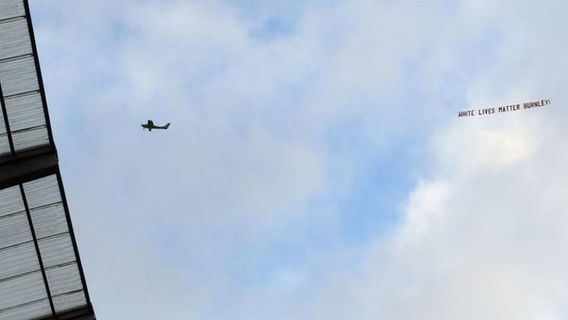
{"x":49,"y":220}
{"x":42,"y":192}
{"x":18,"y":76}
{"x":14,"y":39}
{"x":69,"y":301}
{"x":2,"y":124}
{"x":21,"y":290}
{"x":4,"y":146}
{"x":11,"y":8}
{"x":4,"y":143}
{"x":31,"y":138}
{"x":27,"y":121}
{"x":14,"y":230}
{"x":10,"y":201}
{"x":18,"y":260}
{"x":25,"y":111}
{"x":64,"y":279}
{"x":34,"y":310}
{"x":20,"y":83}
{"x":57,"y":251}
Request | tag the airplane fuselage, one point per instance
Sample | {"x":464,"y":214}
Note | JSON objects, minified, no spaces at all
{"x":150,"y":125}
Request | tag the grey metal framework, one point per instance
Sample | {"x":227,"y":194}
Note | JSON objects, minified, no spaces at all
{"x":41,"y":276}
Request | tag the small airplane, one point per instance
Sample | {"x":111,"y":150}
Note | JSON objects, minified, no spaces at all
{"x":150,"y":125}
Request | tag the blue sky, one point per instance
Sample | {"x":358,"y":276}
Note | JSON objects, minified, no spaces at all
{"x":315,"y":167}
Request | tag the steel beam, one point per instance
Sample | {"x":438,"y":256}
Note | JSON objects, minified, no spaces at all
{"x":38,"y":251}
{"x":23,"y":169}
{"x":85,"y":313}
{"x":6,"y":120}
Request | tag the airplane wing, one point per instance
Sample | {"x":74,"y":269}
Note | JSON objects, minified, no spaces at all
{"x":150,"y":123}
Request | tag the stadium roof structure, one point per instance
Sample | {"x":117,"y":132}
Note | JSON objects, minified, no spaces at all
{"x":41,"y":276}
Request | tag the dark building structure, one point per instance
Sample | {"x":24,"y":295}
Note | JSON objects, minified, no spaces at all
{"x":41,"y":276}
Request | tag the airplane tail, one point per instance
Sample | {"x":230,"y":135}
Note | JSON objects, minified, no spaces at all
{"x":167,"y":125}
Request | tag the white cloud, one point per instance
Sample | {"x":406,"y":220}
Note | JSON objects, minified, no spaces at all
{"x":480,"y":243}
